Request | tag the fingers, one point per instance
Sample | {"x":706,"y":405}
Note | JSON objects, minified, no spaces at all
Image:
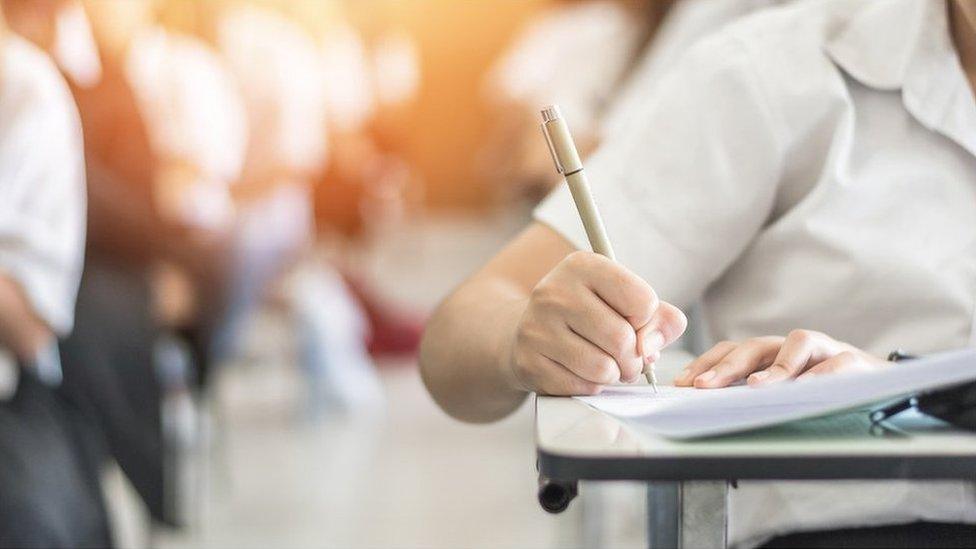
{"x":622,"y":290}
{"x":708,"y":359}
{"x":584,"y":316}
{"x":667,"y":325}
{"x":596,"y":322}
{"x":749,"y":356}
{"x":800,"y":349}
{"x":847,"y":361}
{"x":582,"y":358}
{"x":550,"y":378}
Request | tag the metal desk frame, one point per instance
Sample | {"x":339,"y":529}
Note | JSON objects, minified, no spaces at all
{"x":688,"y":481}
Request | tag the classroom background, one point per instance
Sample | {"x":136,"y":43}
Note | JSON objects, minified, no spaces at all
{"x":279,"y":193}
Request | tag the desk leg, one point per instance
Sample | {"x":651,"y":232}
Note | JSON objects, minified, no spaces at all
{"x":690,"y":514}
{"x":593,"y":515}
{"x":663,"y":515}
{"x":704,"y":514}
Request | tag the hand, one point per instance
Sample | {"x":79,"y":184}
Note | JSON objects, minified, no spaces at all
{"x":764,"y":360}
{"x":580,"y":328}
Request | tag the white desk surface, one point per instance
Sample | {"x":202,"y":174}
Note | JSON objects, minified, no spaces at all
{"x":570,"y":428}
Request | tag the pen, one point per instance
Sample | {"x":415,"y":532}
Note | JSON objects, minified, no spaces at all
{"x":892,"y":410}
{"x":569,"y":165}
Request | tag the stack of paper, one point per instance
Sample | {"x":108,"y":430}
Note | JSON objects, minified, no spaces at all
{"x":684,"y":413}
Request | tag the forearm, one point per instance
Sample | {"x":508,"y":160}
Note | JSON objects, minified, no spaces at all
{"x":465,"y":354}
{"x":21,"y":330}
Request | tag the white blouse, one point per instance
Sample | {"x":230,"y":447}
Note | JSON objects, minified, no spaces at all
{"x":42,"y":193}
{"x":42,"y":183}
{"x":280,"y":75}
{"x":687,"y":22}
{"x":194,"y":114}
{"x":813,"y":166}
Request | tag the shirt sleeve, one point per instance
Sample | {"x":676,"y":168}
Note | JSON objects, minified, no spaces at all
{"x":686,"y":184}
{"x":42,"y":190}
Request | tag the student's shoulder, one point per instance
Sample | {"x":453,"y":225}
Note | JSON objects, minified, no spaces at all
{"x":781,"y":50}
{"x":28,"y":73}
{"x":786,"y":40}
{"x":31,"y":86}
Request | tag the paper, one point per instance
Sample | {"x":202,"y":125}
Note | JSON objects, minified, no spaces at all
{"x":637,"y":400}
{"x":682,"y":413}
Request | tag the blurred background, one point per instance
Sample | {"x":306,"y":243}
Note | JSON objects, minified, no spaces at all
{"x":279,"y":191}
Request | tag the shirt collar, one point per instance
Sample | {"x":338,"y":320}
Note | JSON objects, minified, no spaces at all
{"x":906,"y":45}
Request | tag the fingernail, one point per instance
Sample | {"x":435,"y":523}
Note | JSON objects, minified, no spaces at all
{"x":653,"y":341}
{"x":760,"y":375}
{"x":653,"y":356}
{"x":683,"y":376}
{"x":706,"y":377}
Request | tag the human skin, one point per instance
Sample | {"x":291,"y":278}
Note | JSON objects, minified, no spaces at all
{"x":542,"y":317}
{"x":536,"y":319}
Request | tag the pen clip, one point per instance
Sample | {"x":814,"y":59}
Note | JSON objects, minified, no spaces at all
{"x":552,"y":149}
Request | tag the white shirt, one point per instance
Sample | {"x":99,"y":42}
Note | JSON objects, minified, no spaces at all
{"x":280,"y":73}
{"x":687,"y":22}
{"x":350,"y":96}
{"x":194,"y":114}
{"x":573,"y":55}
{"x":814,"y":167}
{"x":42,"y":186}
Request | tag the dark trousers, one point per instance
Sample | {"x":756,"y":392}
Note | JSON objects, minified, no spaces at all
{"x":109,"y":374}
{"x":50,"y":494}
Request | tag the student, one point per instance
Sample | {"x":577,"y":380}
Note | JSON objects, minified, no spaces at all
{"x":197,"y":125}
{"x":275,"y":65}
{"x":605,"y":36}
{"x":806,"y":171}
{"x":49,"y":492}
{"x":282,"y":74}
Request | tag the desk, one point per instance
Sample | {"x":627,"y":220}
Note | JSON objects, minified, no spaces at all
{"x":687,"y":480}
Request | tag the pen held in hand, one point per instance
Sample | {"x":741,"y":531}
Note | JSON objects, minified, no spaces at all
{"x":569,"y":165}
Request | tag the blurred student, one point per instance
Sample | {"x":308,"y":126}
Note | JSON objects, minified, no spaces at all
{"x":576,"y":53}
{"x":800,"y":169}
{"x":364,"y":194}
{"x":276,"y":68}
{"x":283,"y":77}
{"x":49,"y":491}
{"x":198,"y":129}
{"x":146,"y":210}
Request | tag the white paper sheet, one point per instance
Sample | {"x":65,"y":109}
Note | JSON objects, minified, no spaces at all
{"x":682,"y":413}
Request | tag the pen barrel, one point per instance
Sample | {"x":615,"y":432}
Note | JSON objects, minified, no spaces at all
{"x":596,"y":232}
{"x":569,"y":164}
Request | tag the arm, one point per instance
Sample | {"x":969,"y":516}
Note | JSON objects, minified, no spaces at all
{"x":21,"y":330}
{"x":691,"y":179}
{"x":540,"y":317}
{"x":465,"y":349}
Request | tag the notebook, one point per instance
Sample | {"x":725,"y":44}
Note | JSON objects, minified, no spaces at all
{"x":686,"y":413}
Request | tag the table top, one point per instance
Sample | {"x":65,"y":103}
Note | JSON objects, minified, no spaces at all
{"x":577,"y":442}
